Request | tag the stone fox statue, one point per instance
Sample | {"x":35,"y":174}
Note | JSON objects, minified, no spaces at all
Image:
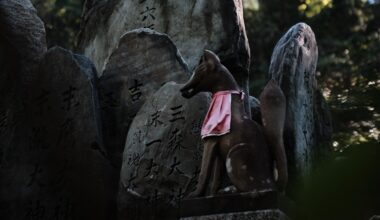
{"x":231,"y":139}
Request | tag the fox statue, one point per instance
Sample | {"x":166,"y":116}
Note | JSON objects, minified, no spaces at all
{"x":234,"y":143}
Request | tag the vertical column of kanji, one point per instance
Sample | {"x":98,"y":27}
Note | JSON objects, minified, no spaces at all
{"x":143,"y":61}
{"x":147,"y":15}
{"x":162,"y":153}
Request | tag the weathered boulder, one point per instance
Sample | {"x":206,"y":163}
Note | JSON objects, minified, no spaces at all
{"x":162,"y":154}
{"x":143,"y":61}
{"x":23,"y":35}
{"x":308,"y":121}
{"x":52,"y":162}
{"x":194,"y":25}
{"x":9,"y":75}
{"x":22,"y":45}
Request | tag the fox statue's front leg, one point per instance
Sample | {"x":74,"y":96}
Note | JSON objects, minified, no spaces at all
{"x":208,"y":158}
{"x":216,"y":174}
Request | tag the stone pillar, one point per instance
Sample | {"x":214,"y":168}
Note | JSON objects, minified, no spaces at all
{"x":308,"y":121}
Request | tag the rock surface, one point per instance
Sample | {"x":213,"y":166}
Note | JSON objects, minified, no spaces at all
{"x":254,"y":103}
{"x":308,"y":121}
{"x":52,"y":162}
{"x":193,"y":25}
{"x":250,"y":215}
{"x":24,"y":32}
{"x":163,"y":150}
{"x":22,"y":45}
{"x":143,"y":61}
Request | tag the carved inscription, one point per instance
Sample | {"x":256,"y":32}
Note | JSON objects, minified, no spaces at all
{"x":147,"y":16}
{"x":163,"y":150}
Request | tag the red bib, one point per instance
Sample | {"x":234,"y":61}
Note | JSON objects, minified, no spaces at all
{"x":218,"y":119}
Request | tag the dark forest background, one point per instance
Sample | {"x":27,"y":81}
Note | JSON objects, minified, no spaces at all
{"x":348,"y":73}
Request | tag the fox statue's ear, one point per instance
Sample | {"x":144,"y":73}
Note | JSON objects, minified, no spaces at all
{"x":211,"y":59}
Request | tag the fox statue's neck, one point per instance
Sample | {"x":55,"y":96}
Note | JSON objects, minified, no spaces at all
{"x":225,"y":82}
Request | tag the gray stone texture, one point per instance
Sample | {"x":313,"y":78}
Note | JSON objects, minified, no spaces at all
{"x":143,"y":61}
{"x":53,"y":165}
{"x":270,"y":214}
{"x":22,"y":32}
{"x":193,"y":25}
{"x":308,"y":121}
{"x":162,"y":154}
{"x":22,"y":45}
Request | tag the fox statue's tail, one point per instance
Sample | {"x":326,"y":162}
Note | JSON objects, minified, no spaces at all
{"x":273,"y":108}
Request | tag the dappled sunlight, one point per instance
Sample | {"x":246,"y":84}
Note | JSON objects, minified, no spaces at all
{"x":310,"y":8}
{"x":251,"y":4}
{"x":62,"y":20}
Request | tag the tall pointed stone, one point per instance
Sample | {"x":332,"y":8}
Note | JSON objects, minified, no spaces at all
{"x":308,"y":121}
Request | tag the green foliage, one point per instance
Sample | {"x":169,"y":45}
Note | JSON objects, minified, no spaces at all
{"x":345,"y":187}
{"x":310,"y":8}
{"x":348,"y":37}
{"x":62,"y":20}
{"x":350,"y":70}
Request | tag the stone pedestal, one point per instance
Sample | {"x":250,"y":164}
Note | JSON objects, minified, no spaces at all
{"x":261,"y":205}
{"x":268,"y":214}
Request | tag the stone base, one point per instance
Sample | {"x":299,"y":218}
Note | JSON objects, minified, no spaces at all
{"x":258,"y":205}
{"x":268,"y":214}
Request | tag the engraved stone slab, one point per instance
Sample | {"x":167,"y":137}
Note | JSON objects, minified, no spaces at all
{"x":194,"y":25}
{"x":52,"y":162}
{"x":162,"y":155}
{"x":308,"y":121}
{"x":143,"y":61}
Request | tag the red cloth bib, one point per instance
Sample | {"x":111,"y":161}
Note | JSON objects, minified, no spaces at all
{"x":218,"y":118}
